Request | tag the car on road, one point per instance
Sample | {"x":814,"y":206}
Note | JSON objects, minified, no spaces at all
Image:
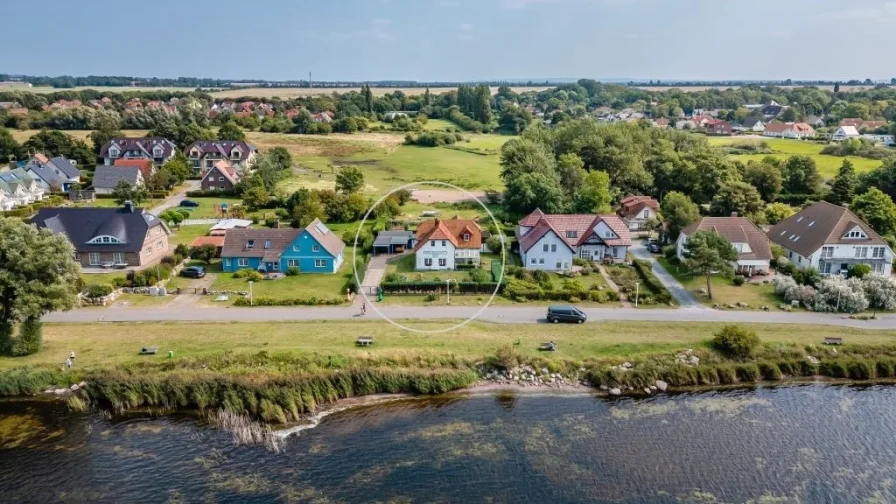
{"x":189,"y":203}
{"x":654,"y":248}
{"x":193,"y":272}
{"x":565,"y":313}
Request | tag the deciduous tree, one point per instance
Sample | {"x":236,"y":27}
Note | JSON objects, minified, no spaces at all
{"x":350,"y":179}
{"x":594,"y":194}
{"x":678,"y":211}
{"x":231,"y":131}
{"x":126,"y":192}
{"x":878,"y":210}
{"x":801,"y":175}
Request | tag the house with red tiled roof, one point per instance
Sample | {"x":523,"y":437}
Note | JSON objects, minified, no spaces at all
{"x":146,"y":166}
{"x":637,"y":211}
{"x":789,"y":130}
{"x":551,"y":241}
{"x":442,"y":244}
{"x":754,"y":253}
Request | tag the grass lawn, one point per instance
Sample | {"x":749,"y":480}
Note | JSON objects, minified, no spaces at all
{"x":186,"y":234}
{"x":302,"y":286}
{"x":102,"y":278}
{"x":784,"y":148}
{"x":439,"y":125}
{"x":102,"y":344}
{"x":405,"y":266}
{"x":724,"y":291}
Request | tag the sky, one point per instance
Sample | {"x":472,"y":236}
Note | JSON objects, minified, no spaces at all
{"x":452,"y":40}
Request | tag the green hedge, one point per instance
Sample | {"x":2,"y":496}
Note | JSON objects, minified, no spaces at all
{"x":416,"y":288}
{"x":267,"y":301}
{"x":645,"y":271}
{"x":209,"y":194}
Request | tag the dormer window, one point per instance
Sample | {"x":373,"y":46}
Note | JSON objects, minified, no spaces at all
{"x":856,"y":233}
{"x":104,"y":239}
{"x":157,"y":152}
{"x":267,"y":244}
{"x":113,"y":152}
{"x":194,"y":153}
{"x":572,"y":234}
{"x":235,"y":154}
{"x":250,"y":244}
{"x":466,"y":237}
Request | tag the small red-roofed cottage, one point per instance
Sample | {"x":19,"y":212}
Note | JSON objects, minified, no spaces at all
{"x":442,"y":244}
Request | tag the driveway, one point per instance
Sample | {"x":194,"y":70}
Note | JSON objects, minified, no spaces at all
{"x":682,"y":296}
{"x":176,"y":197}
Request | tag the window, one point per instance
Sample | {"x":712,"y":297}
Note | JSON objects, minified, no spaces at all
{"x":93,"y":258}
{"x":226,"y":262}
{"x":466,"y":237}
{"x":427,"y":262}
{"x":242,"y":261}
{"x":220,"y":179}
{"x":77,"y":256}
{"x":315,"y":248}
{"x":104,"y":239}
{"x":646,"y":214}
{"x":533,"y":261}
{"x":861,"y":252}
{"x":250,"y":244}
{"x":118,"y":258}
{"x":572,"y":234}
{"x":292,"y":263}
{"x":212,"y":187}
{"x":609,"y":234}
{"x":545,"y":247}
{"x":159,"y":245}
{"x":320,"y":263}
{"x":432,"y":243}
{"x":553,"y":247}
{"x":878,"y":268}
{"x":541,"y":260}
{"x":855,"y":233}
{"x":443,"y":262}
{"x":878,"y":253}
{"x":827,"y":268}
{"x":559,"y":264}
{"x":443,"y":243}
{"x":267,"y":244}
{"x":295,"y":248}
{"x":827,"y":252}
{"x":275,"y":267}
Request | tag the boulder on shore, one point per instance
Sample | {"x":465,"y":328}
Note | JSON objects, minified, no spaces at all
{"x":615,"y":391}
{"x":661,"y":385}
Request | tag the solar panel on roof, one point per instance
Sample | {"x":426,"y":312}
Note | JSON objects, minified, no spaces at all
{"x":321,"y":228}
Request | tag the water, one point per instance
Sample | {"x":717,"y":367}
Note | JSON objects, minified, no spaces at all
{"x":810,"y":443}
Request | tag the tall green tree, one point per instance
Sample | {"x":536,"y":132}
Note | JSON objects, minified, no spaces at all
{"x":572,"y":172}
{"x":878,"y":210}
{"x":708,"y":253}
{"x":280,"y":157}
{"x":178,"y":168}
{"x":594,"y":195}
{"x":350,"y":179}
{"x":37,"y":275}
{"x":843,"y":187}
{"x":532,"y":190}
{"x":231,"y":131}
{"x":766,"y":177}
{"x":678,"y":211}
{"x":308,"y":209}
{"x":106,"y":129}
{"x":126,"y":192}
{"x":9,"y":148}
{"x":801,"y":175}
{"x":738,"y":198}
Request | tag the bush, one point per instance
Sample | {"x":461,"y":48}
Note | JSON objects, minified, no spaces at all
{"x":651,"y":282}
{"x":747,"y":372}
{"x":858,"y":271}
{"x":671,"y":251}
{"x":739,"y":280}
{"x":119,"y":282}
{"x":480,"y":276}
{"x":770,"y":371}
{"x":99,"y":290}
{"x":31,"y":334}
{"x":292,"y":271}
{"x":431,"y":298}
{"x":735,"y":341}
{"x":310,"y":301}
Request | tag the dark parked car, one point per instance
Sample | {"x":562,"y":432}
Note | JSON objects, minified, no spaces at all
{"x":565,"y":313}
{"x":189,"y":203}
{"x":193,"y":272}
{"x":654,"y":248}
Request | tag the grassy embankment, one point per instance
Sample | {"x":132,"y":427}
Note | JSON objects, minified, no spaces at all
{"x":784,"y":148}
{"x":278,"y":371}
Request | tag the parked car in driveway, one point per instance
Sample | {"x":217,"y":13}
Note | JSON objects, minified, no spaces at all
{"x":565,"y":313}
{"x":193,"y":272}
{"x":654,"y":248}
{"x":189,"y":203}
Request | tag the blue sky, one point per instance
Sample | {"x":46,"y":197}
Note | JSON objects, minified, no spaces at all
{"x":452,"y":39}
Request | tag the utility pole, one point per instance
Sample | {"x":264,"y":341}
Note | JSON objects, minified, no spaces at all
{"x":310,"y":84}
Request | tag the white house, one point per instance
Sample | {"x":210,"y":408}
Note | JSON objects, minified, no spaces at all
{"x":638,"y":211}
{"x":754,"y":254}
{"x":551,"y":242}
{"x":830,"y":238}
{"x":19,"y":187}
{"x":845,"y":132}
{"x":755,"y":125}
{"x":443,"y":244}
{"x":882,"y":139}
{"x":797,"y":131}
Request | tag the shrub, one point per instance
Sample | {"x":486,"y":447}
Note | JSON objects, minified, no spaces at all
{"x":739,"y":280}
{"x":860,"y":370}
{"x":834,"y":369}
{"x":292,"y":271}
{"x":727,"y":374}
{"x":99,"y":290}
{"x":507,"y":357}
{"x":835,"y":294}
{"x":747,"y":372}
{"x":541,"y":276}
{"x":31,"y":335}
{"x":119,"y":282}
{"x":770,"y":371}
{"x":431,"y":298}
{"x":884,"y":368}
{"x":480,"y":276}
{"x":735,"y":341}
{"x":858,"y":271}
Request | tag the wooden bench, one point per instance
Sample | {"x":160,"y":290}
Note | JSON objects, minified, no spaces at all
{"x":833,"y":341}
{"x":364,"y":341}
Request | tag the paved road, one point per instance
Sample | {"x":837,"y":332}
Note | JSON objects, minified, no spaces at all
{"x":682,"y":296}
{"x":499,"y":314}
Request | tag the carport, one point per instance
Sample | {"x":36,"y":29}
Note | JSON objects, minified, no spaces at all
{"x":392,"y":242}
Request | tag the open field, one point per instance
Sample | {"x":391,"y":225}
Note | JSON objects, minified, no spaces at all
{"x":102,"y":344}
{"x":109,"y":89}
{"x":784,"y":148}
{"x":22,"y":136}
{"x":265,"y":92}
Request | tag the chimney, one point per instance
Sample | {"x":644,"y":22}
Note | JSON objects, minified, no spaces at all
{"x":734,"y":214}
{"x":129,"y":206}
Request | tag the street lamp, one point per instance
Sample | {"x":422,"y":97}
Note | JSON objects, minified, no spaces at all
{"x":448,"y":288}
{"x":251,"y":301}
{"x":637,"y":291}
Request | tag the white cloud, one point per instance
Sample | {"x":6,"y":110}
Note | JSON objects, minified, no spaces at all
{"x":886,"y":12}
{"x":350,"y":34}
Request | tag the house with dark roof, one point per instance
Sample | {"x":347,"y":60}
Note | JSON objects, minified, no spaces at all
{"x":107,"y":178}
{"x":108,"y":237}
{"x":314,"y":249}
{"x":830,"y":238}
{"x":159,"y":150}
{"x":19,"y":187}
{"x":637,"y":211}
{"x":203,"y":154}
{"x":551,"y":241}
{"x":394,"y":242}
{"x":442,"y":244}
{"x":56,"y":174}
{"x":754,"y":254}
{"x":221,"y":177}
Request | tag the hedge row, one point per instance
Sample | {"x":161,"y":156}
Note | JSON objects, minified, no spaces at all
{"x":207,"y":194}
{"x":645,"y":271}
{"x":414,"y":288}
{"x":267,"y":301}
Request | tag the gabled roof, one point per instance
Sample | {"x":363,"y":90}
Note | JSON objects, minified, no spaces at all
{"x":222,"y":147}
{"x":108,"y":177}
{"x":144,"y":164}
{"x":65,"y":166}
{"x":542,"y":227}
{"x":80,"y":225}
{"x":199,"y":241}
{"x":736,"y":230}
{"x":632,"y":206}
{"x":236,"y":242}
{"x":452,"y":230}
{"x":326,"y":238}
{"x":848,"y":131}
{"x":575,"y":229}
{"x":851,"y":121}
{"x":144,"y":145}
{"x":872,"y":125}
{"x":818,"y":225}
{"x":224,"y":168}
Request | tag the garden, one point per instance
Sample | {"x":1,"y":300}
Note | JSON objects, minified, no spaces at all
{"x":725,"y":292}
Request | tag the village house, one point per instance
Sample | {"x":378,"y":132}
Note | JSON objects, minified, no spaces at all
{"x":19,"y":187}
{"x":755,"y":125}
{"x":107,"y":178}
{"x":146,"y":166}
{"x":551,"y":241}
{"x":203,"y":154}
{"x":314,"y":249}
{"x":861,"y":124}
{"x":56,"y":174}
{"x":844,"y":133}
{"x":797,"y":131}
{"x":324,"y":117}
{"x":718,"y":127}
{"x":830,"y":239}
{"x":638,"y":211}
{"x":888,"y":140}
{"x":662,"y":122}
{"x":443,"y":244}
{"x":754,"y":254}
{"x":108,"y":237}
{"x":159,"y":150}
{"x":221,"y":177}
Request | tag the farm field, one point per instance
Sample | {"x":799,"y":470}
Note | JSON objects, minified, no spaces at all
{"x":110,"y":89}
{"x":265,"y":92}
{"x":784,"y":148}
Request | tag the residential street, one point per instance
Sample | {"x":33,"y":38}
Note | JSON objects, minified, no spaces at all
{"x":499,"y":314}
{"x":682,"y":296}
{"x":175,"y":198}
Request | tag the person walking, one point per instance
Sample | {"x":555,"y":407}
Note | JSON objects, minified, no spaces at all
{"x":363,"y":309}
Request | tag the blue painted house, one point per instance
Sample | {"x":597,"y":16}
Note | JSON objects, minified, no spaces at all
{"x":314,"y":249}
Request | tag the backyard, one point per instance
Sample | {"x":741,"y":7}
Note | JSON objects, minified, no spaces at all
{"x":724,"y":292}
{"x":783,"y":148}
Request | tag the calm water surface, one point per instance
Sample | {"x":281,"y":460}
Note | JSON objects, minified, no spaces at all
{"x":810,"y":443}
